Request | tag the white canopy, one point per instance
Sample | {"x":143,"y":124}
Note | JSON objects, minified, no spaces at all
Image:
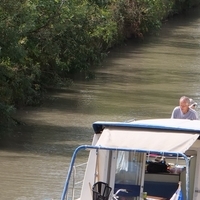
{"x":149,"y":140}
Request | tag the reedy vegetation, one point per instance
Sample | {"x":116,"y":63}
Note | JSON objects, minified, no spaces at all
{"x":44,"y":42}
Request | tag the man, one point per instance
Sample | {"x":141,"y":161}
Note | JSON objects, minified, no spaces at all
{"x":183,"y":111}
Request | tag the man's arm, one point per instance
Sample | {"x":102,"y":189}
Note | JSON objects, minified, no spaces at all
{"x":173,"y":114}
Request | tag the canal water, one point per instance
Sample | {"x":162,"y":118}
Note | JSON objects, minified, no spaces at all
{"x":139,"y":80}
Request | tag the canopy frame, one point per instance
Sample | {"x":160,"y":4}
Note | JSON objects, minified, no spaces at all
{"x":84,"y":147}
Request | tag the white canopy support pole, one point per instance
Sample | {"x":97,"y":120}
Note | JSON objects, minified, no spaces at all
{"x":187,"y":177}
{"x":143,"y":174}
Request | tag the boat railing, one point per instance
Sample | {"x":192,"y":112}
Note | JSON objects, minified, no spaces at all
{"x":76,"y":184}
{"x":84,"y":147}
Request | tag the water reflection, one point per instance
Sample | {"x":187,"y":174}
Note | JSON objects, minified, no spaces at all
{"x":139,"y":80}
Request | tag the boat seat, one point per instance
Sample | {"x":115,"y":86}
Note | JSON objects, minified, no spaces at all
{"x":101,"y":191}
{"x":164,"y":189}
{"x":133,"y":190}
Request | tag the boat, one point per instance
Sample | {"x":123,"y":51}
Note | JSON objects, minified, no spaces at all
{"x":120,"y":156}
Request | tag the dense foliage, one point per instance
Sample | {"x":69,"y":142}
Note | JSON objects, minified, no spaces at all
{"x":45,"y":42}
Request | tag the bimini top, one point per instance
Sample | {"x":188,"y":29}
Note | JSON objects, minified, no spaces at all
{"x":178,"y":135}
{"x":160,"y":124}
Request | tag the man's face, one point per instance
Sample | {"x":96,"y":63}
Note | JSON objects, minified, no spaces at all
{"x":184,"y":107}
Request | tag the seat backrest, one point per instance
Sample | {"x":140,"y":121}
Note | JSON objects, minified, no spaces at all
{"x":101,"y":191}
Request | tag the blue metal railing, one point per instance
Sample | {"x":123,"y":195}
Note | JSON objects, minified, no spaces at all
{"x":83,"y":147}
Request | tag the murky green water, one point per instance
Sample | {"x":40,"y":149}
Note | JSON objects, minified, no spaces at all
{"x":138,"y":80}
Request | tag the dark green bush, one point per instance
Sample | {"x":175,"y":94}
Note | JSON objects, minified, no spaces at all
{"x":44,"y":42}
